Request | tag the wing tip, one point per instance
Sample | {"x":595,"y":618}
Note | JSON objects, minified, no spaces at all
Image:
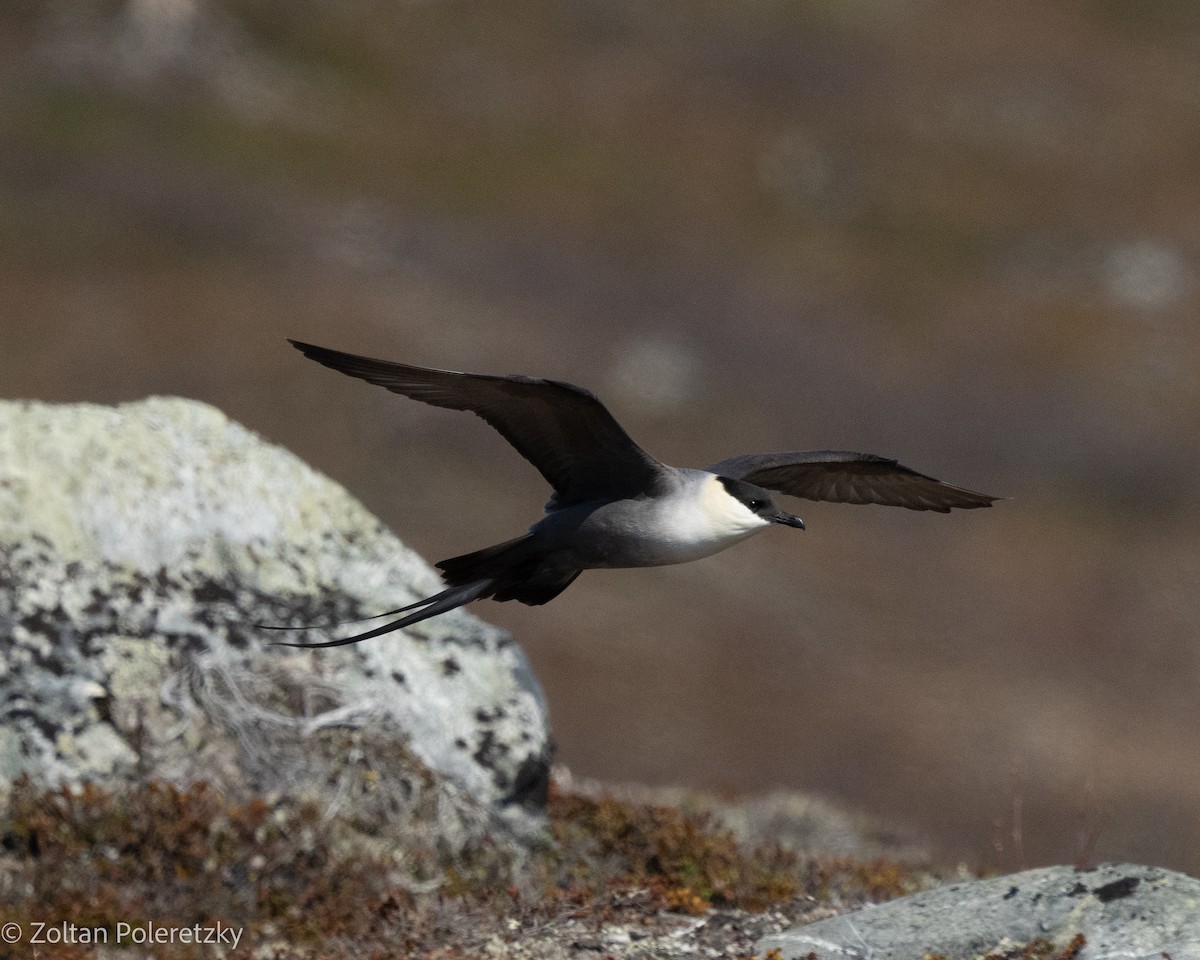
{"x":976,"y":501}
{"x":309,"y":349}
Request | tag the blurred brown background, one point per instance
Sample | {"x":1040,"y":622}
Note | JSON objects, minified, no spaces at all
{"x":961,"y":234}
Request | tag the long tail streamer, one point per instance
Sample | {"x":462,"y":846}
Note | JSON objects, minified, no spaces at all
{"x":448,"y":599}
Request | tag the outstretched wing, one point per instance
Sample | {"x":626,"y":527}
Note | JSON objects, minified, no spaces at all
{"x":563,"y":430}
{"x":844,"y":477}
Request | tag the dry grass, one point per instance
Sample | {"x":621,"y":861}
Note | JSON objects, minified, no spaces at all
{"x":158,"y":853}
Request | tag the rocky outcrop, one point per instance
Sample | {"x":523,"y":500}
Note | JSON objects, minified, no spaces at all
{"x":138,"y":546}
{"x":1122,"y":911}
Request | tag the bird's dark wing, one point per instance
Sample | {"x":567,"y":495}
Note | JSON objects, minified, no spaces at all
{"x":561,"y":429}
{"x":844,"y":477}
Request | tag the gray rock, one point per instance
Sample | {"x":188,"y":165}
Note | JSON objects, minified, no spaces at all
{"x":139,"y":543}
{"x":1124,"y":911}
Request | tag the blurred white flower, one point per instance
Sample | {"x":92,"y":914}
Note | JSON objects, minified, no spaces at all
{"x":657,"y":375}
{"x":1146,"y":275}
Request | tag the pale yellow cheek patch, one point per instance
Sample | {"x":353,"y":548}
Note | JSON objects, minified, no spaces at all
{"x":726,"y":515}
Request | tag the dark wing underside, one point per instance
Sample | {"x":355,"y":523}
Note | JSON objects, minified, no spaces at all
{"x":844,"y":477}
{"x":563,"y":430}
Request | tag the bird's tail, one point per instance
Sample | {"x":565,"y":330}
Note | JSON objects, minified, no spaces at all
{"x":517,"y":569}
{"x":504,"y":560}
{"x":448,"y":599}
{"x":514,"y":570}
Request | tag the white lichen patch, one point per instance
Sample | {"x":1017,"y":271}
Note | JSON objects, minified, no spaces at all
{"x":138,"y":546}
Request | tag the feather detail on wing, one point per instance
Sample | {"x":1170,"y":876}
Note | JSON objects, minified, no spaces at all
{"x":563,"y":430}
{"x":842,"y":476}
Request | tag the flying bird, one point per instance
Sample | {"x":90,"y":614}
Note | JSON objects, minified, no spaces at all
{"x":614,"y":505}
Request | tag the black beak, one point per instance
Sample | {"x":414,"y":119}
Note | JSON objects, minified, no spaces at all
{"x":788,"y":520}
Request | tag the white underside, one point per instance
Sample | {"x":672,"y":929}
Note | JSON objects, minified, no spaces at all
{"x":698,"y":520}
{"x":700,"y":525}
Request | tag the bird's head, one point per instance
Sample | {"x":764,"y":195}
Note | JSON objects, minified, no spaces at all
{"x":758,"y":503}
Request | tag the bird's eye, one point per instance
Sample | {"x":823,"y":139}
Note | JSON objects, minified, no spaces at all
{"x":757,"y":504}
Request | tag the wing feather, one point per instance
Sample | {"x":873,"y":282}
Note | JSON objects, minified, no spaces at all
{"x":841,"y":476}
{"x":563,"y":430}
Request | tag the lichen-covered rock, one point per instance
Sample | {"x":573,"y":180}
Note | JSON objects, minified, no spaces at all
{"x":1123,"y":911}
{"x":138,"y":545}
